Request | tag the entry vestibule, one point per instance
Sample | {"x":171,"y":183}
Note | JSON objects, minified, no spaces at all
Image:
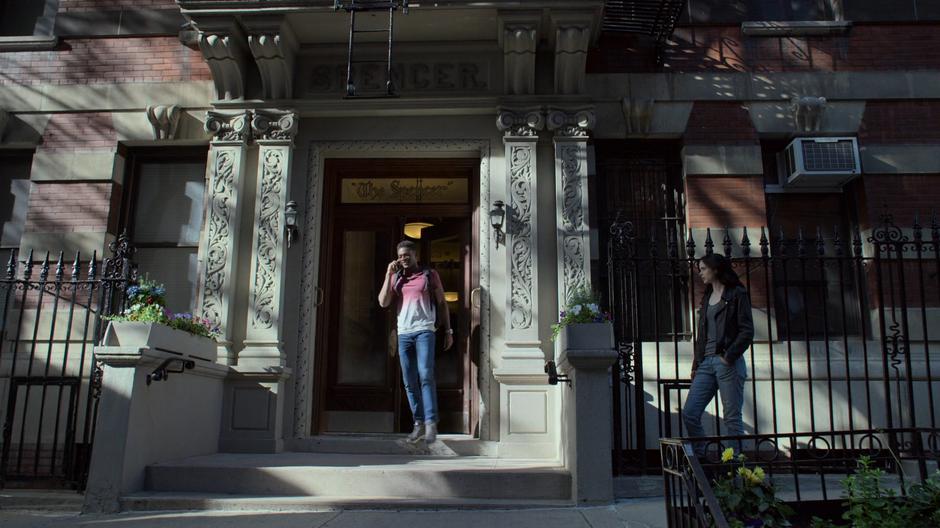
{"x":368,"y":204}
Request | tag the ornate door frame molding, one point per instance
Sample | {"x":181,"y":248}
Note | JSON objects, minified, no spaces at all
{"x":303,"y":362}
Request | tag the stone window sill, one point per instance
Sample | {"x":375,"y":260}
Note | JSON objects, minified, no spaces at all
{"x":28,"y":43}
{"x":795,"y":29}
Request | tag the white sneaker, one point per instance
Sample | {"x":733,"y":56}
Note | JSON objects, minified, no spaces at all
{"x":430,"y":432}
{"x":417,"y":433}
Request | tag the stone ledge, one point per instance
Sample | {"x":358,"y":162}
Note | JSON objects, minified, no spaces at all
{"x":28,"y":43}
{"x":795,"y":28}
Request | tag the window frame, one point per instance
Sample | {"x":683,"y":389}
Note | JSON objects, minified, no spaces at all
{"x":137,"y":157}
{"x":27,"y":155}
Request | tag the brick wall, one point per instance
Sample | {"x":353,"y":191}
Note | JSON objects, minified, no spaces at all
{"x":721,"y":123}
{"x":725,"y":201}
{"x":725,"y":48}
{"x":69,"y":207}
{"x":903,"y":195}
{"x":107,"y":60}
{"x":900,"y":122}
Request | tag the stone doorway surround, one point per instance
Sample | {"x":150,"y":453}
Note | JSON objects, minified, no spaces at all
{"x":319,"y":151}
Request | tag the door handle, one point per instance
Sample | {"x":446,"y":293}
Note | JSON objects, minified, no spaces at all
{"x":476,"y":291}
{"x":318,"y":296}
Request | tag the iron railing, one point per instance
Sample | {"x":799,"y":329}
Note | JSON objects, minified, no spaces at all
{"x":846,"y":335}
{"x":810,"y":480}
{"x":49,"y":325}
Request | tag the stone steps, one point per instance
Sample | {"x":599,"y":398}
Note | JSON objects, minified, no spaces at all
{"x":177,"y":501}
{"x":352,"y":478}
{"x":385,"y":444}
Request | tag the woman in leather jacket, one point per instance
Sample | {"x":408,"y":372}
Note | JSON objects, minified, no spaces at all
{"x":725,"y":332}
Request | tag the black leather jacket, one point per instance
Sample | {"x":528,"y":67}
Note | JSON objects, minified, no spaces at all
{"x":735,"y":325}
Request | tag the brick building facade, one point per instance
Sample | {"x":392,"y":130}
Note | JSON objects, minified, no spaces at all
{"x":190,"y":125}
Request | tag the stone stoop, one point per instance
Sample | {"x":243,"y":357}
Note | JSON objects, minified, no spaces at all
{"x":308,"y":481}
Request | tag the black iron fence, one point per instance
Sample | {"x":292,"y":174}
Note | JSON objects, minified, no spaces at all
{"x":847,"y":337}
{"x":50,"y":321}
{"x":810,"y":481}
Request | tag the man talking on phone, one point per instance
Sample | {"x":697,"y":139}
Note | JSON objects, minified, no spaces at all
{"x":419,"y":298}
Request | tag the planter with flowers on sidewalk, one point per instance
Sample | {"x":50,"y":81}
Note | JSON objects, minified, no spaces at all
{"x":146,"y":322}
{"x":585,"y":338}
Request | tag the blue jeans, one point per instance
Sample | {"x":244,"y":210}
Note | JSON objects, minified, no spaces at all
{"x":416,"y":354}
{"x":728,"y":381}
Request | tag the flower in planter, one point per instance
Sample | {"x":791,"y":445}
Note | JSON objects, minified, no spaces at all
{"x":582,"y":307}
{"x":146,"y":304}
{"x":746,"y":496}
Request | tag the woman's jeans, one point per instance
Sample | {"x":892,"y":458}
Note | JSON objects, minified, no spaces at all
{"x":416,"y":353}
{"x":728,"y":381}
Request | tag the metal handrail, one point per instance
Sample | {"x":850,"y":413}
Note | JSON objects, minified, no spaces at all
{"x":681,"y":469}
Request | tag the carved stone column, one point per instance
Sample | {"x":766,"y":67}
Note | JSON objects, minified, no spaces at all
{"x":274,"y":133}
{"x":520,"y":129}
{"x":225,"y":174}
{"x":572,"y":129}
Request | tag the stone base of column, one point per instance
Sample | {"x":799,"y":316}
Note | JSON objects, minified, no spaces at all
{"x":261,"y":355}
{"x":586,"y":357}
{"x":253,"y":410}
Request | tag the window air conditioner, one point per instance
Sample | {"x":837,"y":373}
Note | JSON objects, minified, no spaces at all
{"x":827,"y":162}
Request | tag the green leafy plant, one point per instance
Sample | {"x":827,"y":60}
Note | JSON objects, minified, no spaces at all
{"x":870,"y":504}
{"x":583,"y":306}
{"x":146,"y":303}
{"x":747,"y":497}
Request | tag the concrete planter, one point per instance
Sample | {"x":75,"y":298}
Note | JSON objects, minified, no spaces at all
{"x":587,"y":336}
{"x":159,"y":337}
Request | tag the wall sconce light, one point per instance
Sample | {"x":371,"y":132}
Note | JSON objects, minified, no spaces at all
{"x":290,"y":221}
{"x":497,"y":218}
{"x":451,"y":296}
{"x":554,"y":378}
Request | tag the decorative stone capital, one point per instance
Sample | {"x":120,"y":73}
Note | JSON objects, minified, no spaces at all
{"x":520,"y":123}
{"x":274,"y":47}
{"x":571,"y":124}
{"x":224,"y":46}
{"x":228,"y":126}
{"x":164,"y":119}
{"x":518,"y":37}
{"x":4,"y":121}
{"x":274,"y":125}
{"x":808,"y":113}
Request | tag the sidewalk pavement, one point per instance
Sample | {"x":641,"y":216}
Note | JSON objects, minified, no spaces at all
{"x":630,"y":513}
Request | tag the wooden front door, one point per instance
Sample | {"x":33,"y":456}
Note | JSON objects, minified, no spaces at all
{"x":360,"y":388}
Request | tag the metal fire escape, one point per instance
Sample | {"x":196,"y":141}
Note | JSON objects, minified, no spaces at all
{"x":656,"y":18}
{"x":353,"y":7}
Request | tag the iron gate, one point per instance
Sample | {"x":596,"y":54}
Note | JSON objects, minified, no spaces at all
{"x":847,"y":338}
{"x":51,"y":320}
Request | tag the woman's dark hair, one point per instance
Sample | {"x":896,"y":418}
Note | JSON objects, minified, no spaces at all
{"x":723,"y":270}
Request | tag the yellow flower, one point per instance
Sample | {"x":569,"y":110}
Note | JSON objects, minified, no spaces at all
{"x":754,"y":477}
{"x":727,"y":455}
{"x":759,"y":473}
